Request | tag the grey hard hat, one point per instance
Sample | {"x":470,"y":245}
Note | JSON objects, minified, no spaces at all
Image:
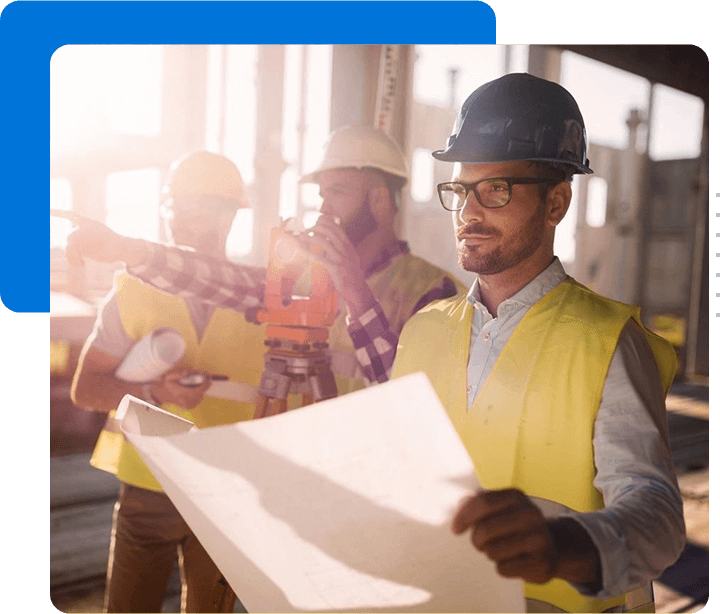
{"x":519,"y":117}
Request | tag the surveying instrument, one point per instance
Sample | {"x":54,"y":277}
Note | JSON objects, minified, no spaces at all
{"x":300,"y":305}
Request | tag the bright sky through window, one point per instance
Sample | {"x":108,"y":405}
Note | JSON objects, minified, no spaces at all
{"x":102,"y":93}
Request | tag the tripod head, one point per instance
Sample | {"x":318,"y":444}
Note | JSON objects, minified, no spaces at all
{"x":299,"y":293}
{"x":300,"y":305}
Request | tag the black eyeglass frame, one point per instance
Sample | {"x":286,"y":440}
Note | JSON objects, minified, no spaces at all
{"x":472,"y":186}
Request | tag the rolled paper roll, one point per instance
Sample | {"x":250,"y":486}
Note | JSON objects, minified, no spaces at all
{"x":156,"y":353}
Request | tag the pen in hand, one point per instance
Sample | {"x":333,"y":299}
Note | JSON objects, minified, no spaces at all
{"x":197,"y":379}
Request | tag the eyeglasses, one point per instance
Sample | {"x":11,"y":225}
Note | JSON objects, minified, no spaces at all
{"x":207,"y":205}
{"x":491,"y":193}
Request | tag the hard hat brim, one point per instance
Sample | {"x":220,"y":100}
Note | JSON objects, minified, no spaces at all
{"x":449,"y":155}
{"x":360,"y":148}
{"x":314,"y":177}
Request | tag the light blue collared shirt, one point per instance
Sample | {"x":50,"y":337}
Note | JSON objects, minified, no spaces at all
{"x":489,"y":335}
{"x":641,"y":530}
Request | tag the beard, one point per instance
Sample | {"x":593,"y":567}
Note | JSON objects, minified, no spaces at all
{"x":517,"y":248}
{"x":361,"y":225}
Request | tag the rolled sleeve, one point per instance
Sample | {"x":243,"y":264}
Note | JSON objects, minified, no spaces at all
{"x":214,"y":281}
{"x":375,"y":343}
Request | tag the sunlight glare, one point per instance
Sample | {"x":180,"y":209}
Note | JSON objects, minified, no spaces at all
{"x":240,"y":238}
{"x":60,"y":198}
{"x":100,"y":90}
{"x":677,"y":124}
{"x":133,"y":203}
{"x":565,"y":231}
{"x":421,"y":182}
{"x":476,"y":65}
{"x":596,"y":202}
{"x":605,"y":95}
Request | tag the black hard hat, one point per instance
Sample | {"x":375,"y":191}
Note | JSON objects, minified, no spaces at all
{"x":519,"y":117}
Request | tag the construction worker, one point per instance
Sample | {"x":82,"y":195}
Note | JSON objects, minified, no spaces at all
{"x":557,"y":393}
{"x":201,"y":197}
{"x":360,"y":177}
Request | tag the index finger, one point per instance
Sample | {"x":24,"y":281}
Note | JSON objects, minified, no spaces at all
{"x":75,"y":218}
{"x":335,"y":235}
{"x":330,"y":225}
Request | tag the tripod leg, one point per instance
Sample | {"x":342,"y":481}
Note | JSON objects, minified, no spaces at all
{"x":276,"y":406}
{"x":322,"y":383}
{"x":261,"y":403}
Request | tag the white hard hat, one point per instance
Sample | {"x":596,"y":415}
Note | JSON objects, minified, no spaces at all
{"x":360,"y":147}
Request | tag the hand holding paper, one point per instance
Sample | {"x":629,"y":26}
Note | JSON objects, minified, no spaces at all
{"x":511,"y":530}
{"x":169,"y":388}
{"x":341,"y":506}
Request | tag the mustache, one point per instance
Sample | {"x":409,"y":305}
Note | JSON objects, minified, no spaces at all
{"x":475,"y":228}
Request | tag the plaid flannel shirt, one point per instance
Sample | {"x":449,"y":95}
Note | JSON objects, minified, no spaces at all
{"x":241,"y":287}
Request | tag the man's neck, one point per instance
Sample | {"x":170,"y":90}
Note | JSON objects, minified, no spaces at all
{"x":370,"y":248}
{"x":494,"y":289}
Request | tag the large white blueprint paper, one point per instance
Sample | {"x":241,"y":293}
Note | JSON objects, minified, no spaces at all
{"x":342,"y":506}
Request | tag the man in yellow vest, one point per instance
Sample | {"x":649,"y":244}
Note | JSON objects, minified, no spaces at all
{"x":202,"y":196}
{"x":557,"y":393}
{"x":382,"y":284}
{"x":361,"y":176}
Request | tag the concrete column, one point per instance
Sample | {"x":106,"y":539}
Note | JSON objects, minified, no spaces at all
{"x":269,"y":162}
{"x":352,"y":93}
{"x":628,"y":222}
{"x":355,"y":76}
{"x":697,"y":341}
{"x":644,"y":215}
{"x":545,"y":62}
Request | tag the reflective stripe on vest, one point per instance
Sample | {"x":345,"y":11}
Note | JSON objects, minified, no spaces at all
{"x":520,"y":430}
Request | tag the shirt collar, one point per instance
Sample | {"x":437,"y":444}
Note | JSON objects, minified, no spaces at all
{"x":398,"y":248}
{"x":529,"y":294}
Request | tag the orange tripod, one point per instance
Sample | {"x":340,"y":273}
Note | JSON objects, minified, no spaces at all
{"x":298,"y":317}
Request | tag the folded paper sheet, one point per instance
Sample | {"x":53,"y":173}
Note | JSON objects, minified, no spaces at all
{"x":342,"y":506}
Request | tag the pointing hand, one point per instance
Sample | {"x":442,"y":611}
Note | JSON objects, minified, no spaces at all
{"x":94,"y":240}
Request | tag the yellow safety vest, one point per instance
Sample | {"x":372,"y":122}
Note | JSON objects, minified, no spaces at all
{"x":240,"y":354}
{"x":398,"y":288}
{"x":229,"y":345}
{"x":531,"y":425}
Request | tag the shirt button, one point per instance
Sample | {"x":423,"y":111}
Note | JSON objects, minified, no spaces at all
{"x":486,"y":336}
{"x":469,"y":389}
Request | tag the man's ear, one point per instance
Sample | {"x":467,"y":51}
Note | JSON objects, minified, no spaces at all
{"x":381,"y":204}
{"x":558,"y":202}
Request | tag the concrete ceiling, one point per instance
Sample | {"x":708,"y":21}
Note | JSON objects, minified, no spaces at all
{"x":684,"y":67}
